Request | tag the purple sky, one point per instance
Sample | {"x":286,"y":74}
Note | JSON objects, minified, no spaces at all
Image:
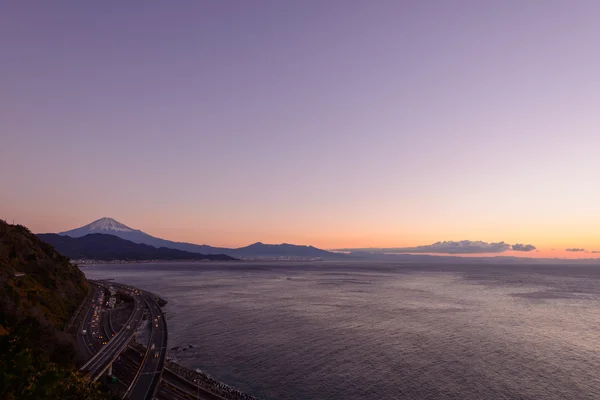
{"x":335,"y":123}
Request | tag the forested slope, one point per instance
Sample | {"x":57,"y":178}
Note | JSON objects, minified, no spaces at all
{"x":39,"y":291}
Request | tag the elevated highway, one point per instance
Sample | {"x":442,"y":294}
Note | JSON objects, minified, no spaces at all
{"x":140,"y":372}
{"x":102,"y":360}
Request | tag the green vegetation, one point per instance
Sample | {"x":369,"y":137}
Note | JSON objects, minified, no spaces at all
{"x":39,"y":290}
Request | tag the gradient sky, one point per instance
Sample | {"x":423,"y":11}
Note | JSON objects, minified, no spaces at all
{"x":332,"y":123}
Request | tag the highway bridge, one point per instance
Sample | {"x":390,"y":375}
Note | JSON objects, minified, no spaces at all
{"x":140,"y":372}
{"x":103,"y":359}
{"x":99,"y":340}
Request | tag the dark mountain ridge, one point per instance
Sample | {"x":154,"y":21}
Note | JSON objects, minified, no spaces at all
{"x":259,"y":249}
{"x":100,"y":246}
{"x":110,"y":226}
{"x":256,"y":250}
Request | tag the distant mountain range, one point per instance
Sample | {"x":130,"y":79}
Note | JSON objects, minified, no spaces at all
{"x":99,"y":246}
{"x":257,"y":250}
{"x":108,"y":226}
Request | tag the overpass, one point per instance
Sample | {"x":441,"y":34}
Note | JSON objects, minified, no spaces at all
{"x":143,"y":373}
{"x":103,"y":359}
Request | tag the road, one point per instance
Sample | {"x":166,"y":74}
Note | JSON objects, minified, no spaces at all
{"x":149,"y":375}
{"x":116,"y":345}
{"x":86,"y":341}
{"x":139,"y":373}
{"x":106,"y":332}
{"x":171,"y":386}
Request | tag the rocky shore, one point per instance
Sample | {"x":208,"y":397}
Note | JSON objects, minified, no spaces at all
{"x":208,"y":383}
{"x":201,"y":379}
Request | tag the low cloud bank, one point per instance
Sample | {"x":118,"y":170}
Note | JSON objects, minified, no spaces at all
{"x":454,"y":247}
{"x":462,"y":247}
{"x":575,"y":249}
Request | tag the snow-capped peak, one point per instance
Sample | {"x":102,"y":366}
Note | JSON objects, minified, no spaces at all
{"x":107,"y":224}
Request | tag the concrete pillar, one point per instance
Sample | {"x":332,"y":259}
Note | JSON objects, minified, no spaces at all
{"x":109,"y":372}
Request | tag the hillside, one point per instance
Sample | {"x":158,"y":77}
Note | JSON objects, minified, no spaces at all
{"x":39,"y":290}
{"x":99,"y":246}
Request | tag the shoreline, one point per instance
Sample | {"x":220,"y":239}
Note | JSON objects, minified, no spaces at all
{"x":209,"y":384}
{"x":201,"y":379}
{"x":82,"y":263}
{"x":197,"y":377}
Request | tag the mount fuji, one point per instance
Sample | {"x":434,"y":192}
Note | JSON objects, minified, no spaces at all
{"x":110,"y":226}
{"x":103,"y":225}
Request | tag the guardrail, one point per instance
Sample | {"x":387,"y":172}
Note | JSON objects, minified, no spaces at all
{"x":139,"y":371}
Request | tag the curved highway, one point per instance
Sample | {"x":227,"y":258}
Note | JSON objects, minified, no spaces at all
{"x":100,"y":362}
{"x":105,"y":346}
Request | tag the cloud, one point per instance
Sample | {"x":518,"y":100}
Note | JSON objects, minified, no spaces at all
{"x":595,"y":251}
{"x":452,"y":247}
{"x":523,"y":247}
{"x":575,"y":249}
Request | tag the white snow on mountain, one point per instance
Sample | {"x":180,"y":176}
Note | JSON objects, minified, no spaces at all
{"x":103,"y":225}
{"x":107,"y":224}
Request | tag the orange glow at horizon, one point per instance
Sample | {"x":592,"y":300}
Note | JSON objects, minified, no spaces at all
{"x":229,"y":234}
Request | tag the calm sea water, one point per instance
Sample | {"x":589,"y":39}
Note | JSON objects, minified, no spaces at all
{"x":382,"y":331}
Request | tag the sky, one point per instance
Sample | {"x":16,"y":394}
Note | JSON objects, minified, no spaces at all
{"x":332,"y":123}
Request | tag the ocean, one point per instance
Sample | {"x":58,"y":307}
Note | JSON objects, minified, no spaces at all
{"x":297,"y":331}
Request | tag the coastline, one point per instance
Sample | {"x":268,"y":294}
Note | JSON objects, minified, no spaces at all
{"x":82,"y":263}
{"x":200,"y":379}
{"x":195,"y":378}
